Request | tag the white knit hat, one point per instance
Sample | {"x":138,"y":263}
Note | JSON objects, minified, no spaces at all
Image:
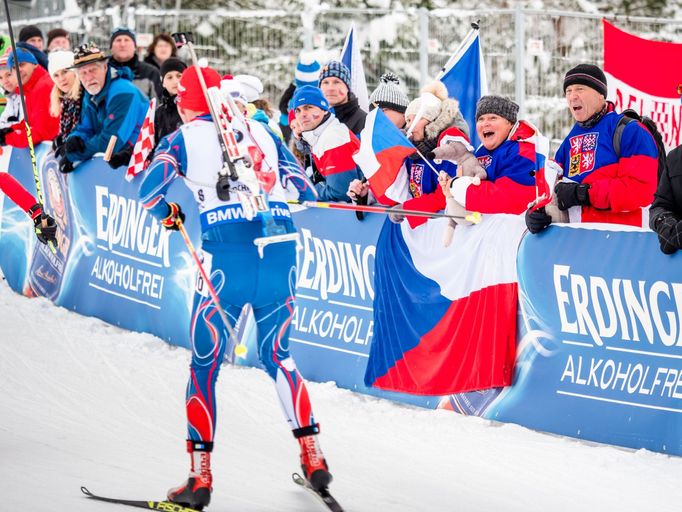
{"x":430,"y":101}
{"x":251,"y":86}
{"x":58,"y":60}
{"x":235,"y":89}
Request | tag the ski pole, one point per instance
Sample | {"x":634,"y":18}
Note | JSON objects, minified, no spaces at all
{"x":29,"y":137}
{"x":240,"y":349}
{"x":473,"y":217}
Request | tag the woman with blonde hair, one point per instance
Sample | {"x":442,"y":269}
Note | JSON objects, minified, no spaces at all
{"x":65,"y":99}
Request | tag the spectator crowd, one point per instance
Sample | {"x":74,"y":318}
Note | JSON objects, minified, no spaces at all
{"x":83,"y":98}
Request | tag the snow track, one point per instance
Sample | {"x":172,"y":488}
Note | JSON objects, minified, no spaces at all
{"x":86,"y":403}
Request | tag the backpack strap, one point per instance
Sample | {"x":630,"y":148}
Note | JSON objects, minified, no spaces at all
{"x":618,"y":132}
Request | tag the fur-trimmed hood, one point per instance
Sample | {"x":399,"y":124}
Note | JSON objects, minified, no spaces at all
{"x":449,"y":115}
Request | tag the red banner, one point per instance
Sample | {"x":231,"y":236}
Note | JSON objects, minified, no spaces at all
{"x":644,"y":75}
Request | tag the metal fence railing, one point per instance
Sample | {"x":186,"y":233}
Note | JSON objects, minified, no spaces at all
{"x":526,"y":51}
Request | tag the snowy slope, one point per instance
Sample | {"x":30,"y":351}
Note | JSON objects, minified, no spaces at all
{"x":85,"y":403}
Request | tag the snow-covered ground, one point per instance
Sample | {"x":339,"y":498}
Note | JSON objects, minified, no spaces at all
{"x":85,"y":403}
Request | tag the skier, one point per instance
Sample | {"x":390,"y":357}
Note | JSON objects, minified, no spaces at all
{"x":239,"y":276}
{"x":45,"y":226}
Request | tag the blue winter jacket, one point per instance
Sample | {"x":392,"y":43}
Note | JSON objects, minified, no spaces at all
{"x":118,"y":109}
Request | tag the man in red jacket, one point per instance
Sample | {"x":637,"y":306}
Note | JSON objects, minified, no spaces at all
{"x":601,"y":183}
{"x":45,"y":226}
{"x":37,"y":86}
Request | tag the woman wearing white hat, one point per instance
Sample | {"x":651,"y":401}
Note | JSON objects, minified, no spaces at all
{"x":65,"y":99}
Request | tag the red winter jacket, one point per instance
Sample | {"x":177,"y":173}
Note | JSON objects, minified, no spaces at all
{"x":43,"y":125}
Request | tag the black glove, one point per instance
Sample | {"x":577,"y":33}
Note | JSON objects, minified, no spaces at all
{"x":571,"y":194}
{"x":58,"y":145}
{"x":174,"y":215}
{"x":12,"y":119}
{"x":44,"y":225}
{"x":74,"y":144}
{"x":121,"y":158}
{"x":537,"y":220}
{"x":668,"y":229}
{"x":3,"y":134}
{"x":425,"y":147}
{"x":65,"y":165}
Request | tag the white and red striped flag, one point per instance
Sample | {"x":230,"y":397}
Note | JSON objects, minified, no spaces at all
{"x":144,"y":144}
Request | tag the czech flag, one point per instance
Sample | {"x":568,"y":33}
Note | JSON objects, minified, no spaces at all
{"x":445,"y":317}
{"x":351,"y":57}
{"x":383,"y":149}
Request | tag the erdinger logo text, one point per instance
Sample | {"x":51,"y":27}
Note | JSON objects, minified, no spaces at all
{"x":124,"y":223}
{"x":619,"y":309}
{"x":336,"y":268}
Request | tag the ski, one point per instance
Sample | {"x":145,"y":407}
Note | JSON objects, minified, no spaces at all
{"x":165,"y":506}
{"x":324,"y":495}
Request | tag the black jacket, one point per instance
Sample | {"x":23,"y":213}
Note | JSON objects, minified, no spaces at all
{"x":351,"y":115}
{"x":152,"y":61}
{"x":668,"y":196}
{"x":167,"y":119}
{"x":147,"y":77}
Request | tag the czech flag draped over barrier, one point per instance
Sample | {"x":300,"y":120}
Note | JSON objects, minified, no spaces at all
{"x":465,"y":79}
{"x":351,"y":57}
{"x":445,"y":317}
{"x":645,"y":76}
{"x":383,"y":149}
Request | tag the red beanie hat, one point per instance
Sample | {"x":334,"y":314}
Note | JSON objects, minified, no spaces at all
{"x":190,"y":95}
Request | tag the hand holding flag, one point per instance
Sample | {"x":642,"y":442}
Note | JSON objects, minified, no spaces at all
{"x":383,"y":149}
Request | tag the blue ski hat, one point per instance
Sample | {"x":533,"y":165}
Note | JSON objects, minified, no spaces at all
{"x":309,"y":95}
{"x":336,"y":69}
{"x":22,"y":56}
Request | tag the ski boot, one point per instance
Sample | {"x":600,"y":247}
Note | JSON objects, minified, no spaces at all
{"x":195,"y":492}
{"x":313,"y":464}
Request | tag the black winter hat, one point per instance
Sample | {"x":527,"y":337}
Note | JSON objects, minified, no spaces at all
{"x":172,"y":64}
{"x":589,"y":75}
{"x":28,"y":32}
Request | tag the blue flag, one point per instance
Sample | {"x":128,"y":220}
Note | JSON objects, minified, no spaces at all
{"x":351,"y":57}
{"x":465,"y":79}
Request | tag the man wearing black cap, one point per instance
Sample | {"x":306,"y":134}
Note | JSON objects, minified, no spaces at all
{"x":31,"y":39}
{"x":32,"y":35}
{"x":123,"y":45}
{"x":607,"y":186}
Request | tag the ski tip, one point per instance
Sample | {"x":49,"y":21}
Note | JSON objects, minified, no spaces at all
{"x":85,"y":491}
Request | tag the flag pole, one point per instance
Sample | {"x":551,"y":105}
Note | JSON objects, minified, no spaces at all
{"x":473,"y":217}
{"x":463,"y":45}
{"x":471,"y":35}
